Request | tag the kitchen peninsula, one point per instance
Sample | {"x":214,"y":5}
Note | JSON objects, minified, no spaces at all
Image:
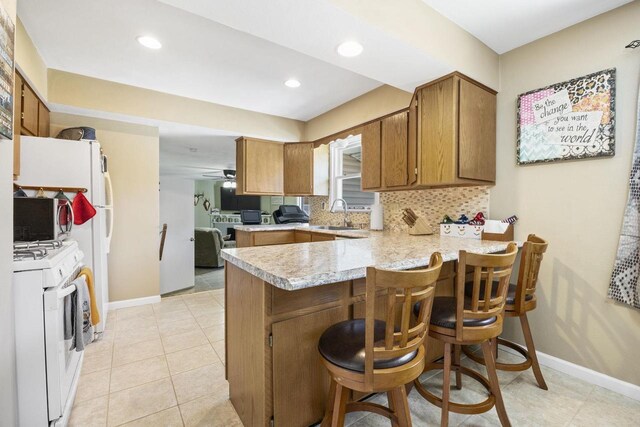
{"x":280,"y":298}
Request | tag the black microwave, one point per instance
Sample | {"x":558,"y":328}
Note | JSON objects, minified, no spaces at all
{"x":36,"y":218}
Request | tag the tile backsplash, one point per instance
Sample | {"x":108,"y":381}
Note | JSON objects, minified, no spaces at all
{"x":431,"y":204}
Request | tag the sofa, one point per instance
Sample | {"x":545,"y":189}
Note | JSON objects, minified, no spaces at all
{"x":208,"y":244}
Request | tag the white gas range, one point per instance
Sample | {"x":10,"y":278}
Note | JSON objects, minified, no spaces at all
{"x":48,"y":367}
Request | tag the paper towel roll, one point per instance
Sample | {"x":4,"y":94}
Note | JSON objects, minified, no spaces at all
{"x":376,"y":220}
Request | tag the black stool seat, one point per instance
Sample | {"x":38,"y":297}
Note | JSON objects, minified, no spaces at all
{"x":343,"y":345}
{"x":511,"y":292}
{"x":443,"y":314}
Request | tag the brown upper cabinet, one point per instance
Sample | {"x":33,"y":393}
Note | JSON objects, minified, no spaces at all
{"x":298,"y":168}
{"x":371,"y":171}
{"x":395,"y":154}
{"x":31,"y":117}
{"x":447,"y":137}
{"x":273,"y":168}
{"x":259,"y":166}
{"x":456,"y":132}
{"x":30,"y":108}
{"x":43,"y":120}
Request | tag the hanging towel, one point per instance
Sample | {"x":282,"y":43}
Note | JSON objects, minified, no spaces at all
{"x":83,"y":211}
{"x":83,"y":328}
{"x":624,"y":285}
{"x":95,"y":314}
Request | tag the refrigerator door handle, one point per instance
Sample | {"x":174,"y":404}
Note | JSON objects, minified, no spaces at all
{"x":109,"y":189}
{"x":109,"y":208}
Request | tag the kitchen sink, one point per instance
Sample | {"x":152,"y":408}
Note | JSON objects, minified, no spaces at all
{"x":331,"y":227}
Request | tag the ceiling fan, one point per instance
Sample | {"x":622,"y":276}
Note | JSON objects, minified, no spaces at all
{"x":226,"y":175}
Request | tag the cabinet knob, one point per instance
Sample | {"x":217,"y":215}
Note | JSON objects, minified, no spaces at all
{"x":192,"y":239}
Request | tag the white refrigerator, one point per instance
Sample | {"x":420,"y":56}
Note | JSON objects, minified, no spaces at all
{"x":58,"y":162}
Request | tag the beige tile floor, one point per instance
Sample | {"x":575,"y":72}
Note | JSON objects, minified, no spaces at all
{"x":158,"y":365}
{"x":163,"y":365}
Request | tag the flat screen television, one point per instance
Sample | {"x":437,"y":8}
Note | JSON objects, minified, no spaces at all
{"x":230,"y":202}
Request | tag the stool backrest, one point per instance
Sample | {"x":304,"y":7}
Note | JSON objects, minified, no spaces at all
{"x":404,"y":289}
{"x":530,"y":260}
{"x":485,"y":270}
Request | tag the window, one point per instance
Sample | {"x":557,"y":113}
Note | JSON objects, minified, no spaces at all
{"x":345,"y":174}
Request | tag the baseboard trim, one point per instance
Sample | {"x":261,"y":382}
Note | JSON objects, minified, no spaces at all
{"x":114,"y":305}
{"x":629,"y":390}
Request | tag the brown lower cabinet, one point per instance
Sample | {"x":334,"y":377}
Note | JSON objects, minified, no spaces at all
{"x":266,"y":238}
{"x":272,"y":362}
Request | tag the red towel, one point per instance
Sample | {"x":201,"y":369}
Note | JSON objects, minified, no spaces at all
{"x":83,"y":211}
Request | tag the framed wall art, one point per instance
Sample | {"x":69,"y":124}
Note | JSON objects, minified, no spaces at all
{"x":6,"y":74}
{"x":568,"y":121}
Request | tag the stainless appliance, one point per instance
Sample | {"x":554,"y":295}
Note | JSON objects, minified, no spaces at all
{"x":48,"y":367}
{"x":36,"y":218}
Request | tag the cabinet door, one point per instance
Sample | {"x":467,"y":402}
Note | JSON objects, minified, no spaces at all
{"x":371,"y":156}
{"x":321,"y":237}
{"x":298,"y":169}
{"x":412,"y":141}
{"x":477,"y":138}
{"x":43,"y":120}
{"x":17,"y":111}
{"x":30,"y":106}
{"x":437,"y":133}
{"x":395,"y":150}
{"x":259,"y":167}
{"x":302,"y":236}
{"x":300,"y":381}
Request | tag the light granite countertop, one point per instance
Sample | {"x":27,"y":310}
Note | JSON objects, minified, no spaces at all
{"x":302,"y":265}
{"x":352,"y":234}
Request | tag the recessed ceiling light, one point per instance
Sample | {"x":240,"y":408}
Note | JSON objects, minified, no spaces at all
{"x":292,"y":83}
{"x":149,"y":42}
{"x":350,"y":49}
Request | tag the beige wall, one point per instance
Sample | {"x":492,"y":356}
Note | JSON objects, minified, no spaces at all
{"x":100,"y":95}
{"x":202,"y":216}
{"x":133,"y":166}
{"x":371,"y":105}
{"x":577,"y":206}
{"x":29,"y":61}
{"x":8,"y":392}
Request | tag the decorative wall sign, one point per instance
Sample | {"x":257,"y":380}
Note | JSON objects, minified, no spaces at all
{"x":6,"y":74}
{"x":569,"y":120}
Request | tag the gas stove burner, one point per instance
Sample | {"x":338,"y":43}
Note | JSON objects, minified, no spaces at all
{"x":34,"y":250}
{"x":39,"y":244}
{"x":21,"y":255}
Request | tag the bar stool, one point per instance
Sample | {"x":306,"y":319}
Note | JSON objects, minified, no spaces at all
{"x":521,"y":298}
{"x":370,"y":355}
{"x":481,"y":321}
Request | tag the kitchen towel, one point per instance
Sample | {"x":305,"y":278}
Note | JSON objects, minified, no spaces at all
{"x":83,"y":210}
{"x":95,"y":314}
{"x":624,"y":285}
{"x":83,"y":328}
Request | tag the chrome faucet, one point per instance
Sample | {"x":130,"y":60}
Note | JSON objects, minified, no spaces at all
{"x":345,"y":207}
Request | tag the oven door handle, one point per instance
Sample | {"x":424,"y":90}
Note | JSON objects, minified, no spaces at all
{"x":51,"y":298}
